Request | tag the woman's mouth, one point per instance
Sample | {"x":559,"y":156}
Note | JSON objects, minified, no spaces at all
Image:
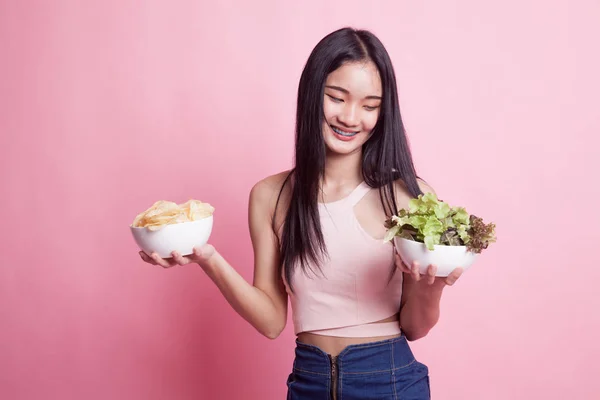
{"x":342,"y":134}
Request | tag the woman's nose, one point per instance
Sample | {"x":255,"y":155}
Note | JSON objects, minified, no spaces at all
{"x":349,"y":116}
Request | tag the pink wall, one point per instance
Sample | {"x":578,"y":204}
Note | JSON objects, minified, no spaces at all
{"x":109,"y":106}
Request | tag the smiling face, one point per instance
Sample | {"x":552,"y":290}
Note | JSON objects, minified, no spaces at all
{"x":351,"y":106}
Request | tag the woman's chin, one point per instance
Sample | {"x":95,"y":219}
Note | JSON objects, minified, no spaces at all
{"x":337,"y":146}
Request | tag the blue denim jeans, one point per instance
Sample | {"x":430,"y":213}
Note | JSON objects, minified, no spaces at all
{"x":379,"y":370}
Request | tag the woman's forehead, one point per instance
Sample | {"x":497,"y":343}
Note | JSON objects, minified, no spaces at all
{"x":360,"y":79}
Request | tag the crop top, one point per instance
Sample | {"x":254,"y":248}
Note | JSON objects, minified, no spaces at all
{"x":353,"y":288}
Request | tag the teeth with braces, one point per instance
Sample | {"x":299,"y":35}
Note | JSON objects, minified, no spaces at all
{"x":340,"y":132}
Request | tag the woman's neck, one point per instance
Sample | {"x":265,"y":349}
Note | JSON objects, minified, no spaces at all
{"x":342,"y":170}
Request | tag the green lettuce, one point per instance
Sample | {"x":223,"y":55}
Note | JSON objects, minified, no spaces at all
{"x":433,"y":222}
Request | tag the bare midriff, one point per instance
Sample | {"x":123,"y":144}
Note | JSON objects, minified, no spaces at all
{"x":334,"y":345}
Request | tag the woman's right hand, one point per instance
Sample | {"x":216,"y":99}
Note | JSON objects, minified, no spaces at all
{"x":200,"y":256}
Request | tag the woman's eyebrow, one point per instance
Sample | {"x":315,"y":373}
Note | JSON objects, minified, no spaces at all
{"x":341,"y":89}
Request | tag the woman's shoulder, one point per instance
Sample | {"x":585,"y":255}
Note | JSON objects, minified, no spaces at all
{"x":268,"y":191}
{"x":424,"y":186}
{"x":271,"y":184}
{"x":401,"y":189}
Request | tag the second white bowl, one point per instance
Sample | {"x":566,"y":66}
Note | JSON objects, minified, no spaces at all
{"x":181,"y":237}
{"x":446,"y":258}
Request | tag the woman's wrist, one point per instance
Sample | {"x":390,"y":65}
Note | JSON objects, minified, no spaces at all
{"x":210,"y":265}
{"x":423,"y":288}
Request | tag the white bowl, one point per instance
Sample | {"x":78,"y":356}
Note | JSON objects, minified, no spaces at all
{"x":446,"y":258}
{"x":181,"y":237}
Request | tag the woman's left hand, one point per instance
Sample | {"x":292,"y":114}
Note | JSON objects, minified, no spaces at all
{"x":429,"y":278}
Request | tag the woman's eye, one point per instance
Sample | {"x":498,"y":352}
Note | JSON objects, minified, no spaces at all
{"x":371,"y":108}
{"x":335,"y":99}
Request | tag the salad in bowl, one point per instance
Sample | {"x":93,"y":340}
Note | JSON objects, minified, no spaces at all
{"x":431,"y":232}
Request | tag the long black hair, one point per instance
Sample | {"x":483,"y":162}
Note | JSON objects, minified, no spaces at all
{"x":386,"y":154}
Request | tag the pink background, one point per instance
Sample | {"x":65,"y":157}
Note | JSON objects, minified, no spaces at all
{"x":106,"y":107}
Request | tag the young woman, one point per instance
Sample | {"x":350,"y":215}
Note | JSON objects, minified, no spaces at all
{"x":317,"y":235}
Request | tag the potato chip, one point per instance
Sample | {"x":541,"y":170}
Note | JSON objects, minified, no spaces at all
{"x":163,"y":213}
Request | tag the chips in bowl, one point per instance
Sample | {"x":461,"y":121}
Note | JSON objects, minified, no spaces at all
{"x":164,"y":213}
{"x":167,"y":226}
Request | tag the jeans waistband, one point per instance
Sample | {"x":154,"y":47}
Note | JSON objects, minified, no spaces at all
{"x":385,"y":355}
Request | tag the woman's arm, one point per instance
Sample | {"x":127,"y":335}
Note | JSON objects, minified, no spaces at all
{"x":420,"y":308}
{"x":264,"y":303}
{"x":421,"y":294}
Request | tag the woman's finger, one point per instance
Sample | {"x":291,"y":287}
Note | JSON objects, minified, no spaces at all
{"x":431,"y":271}
{"x":199,"y":252}
{"x":170,"y":262}
{"x":400,"y":264}
{"x":415,"y":271}
{"x":161,"y":261}
{"x":147,"y":259}
{"x":179,"y":259}
{"x":454,"y":275}
{"x":203,"y":254}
